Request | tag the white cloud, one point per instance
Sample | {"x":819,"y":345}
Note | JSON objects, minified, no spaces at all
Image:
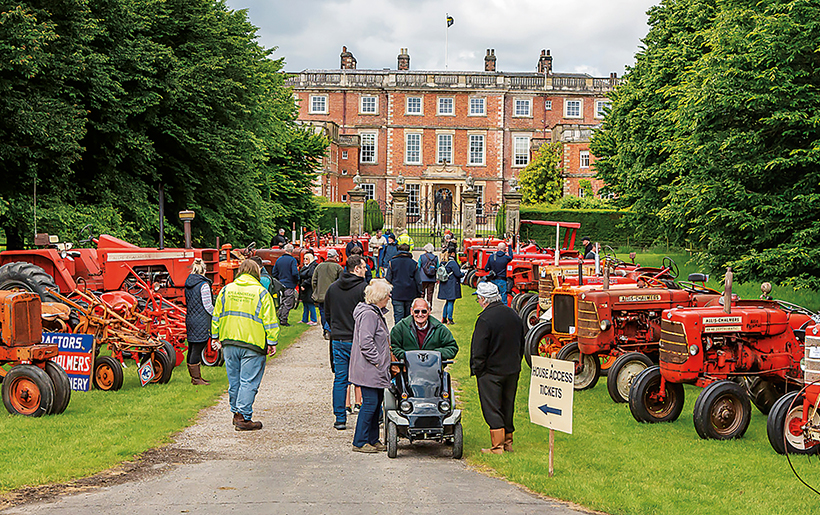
{"x":592,"y":36}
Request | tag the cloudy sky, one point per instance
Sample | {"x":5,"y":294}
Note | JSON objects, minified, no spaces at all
{"x":591,"y":36}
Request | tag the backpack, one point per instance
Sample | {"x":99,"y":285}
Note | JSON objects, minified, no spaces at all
{"x":442,"y":275}
{"x":430,"y":267}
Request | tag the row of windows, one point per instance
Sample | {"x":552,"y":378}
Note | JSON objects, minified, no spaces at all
{"x":522,"y":107}
{"x":444,"y":149}
{"x":414,"y":194}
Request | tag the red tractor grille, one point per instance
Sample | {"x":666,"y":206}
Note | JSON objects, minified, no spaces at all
{"x":674,"y":347}
{"x":588,"y":324}
{"x":545,"y":287}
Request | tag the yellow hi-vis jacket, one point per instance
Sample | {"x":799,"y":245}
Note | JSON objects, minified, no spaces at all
{"x":405,"y":238}
{"x":244,"y":313}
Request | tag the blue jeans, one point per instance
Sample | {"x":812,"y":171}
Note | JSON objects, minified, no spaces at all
{"x":325,"y":325}
{"x":447,"y":314}
{"x":308,"y":308}
{"x":502,"y":288}
{"x":341,"y":363}
{"x":401,"y":309}
{"x":245,"y":368}
{"x":367,"y":423}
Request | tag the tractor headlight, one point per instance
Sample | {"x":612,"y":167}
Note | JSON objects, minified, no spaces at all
{"x":406,"y":406}
{"x":605,"y":325}
{"x":693,"y":350}
{"x":444,"y":406}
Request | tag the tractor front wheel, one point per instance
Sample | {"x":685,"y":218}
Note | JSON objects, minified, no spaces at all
{"x":722,"y":411}
{"x":784,"y":426}
{"x":623,"y":372}
{"x":211,"y":357}
{"x":529,"y":316}
{"x":162,"y":366}
{"x":648,"y":404}
{"x":541,"y":342}
{"x":587,"y":366}
{"x":62,"y":387}
{"x":28,"y":390}
{"x":107,"y":374}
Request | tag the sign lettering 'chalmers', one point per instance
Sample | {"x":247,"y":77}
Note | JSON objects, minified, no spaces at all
{"x":722,"y":320}
{"x":638,"y":298}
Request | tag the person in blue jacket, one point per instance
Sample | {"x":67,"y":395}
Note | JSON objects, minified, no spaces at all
{"x":389,"y":251}
{"x":286,"y":269}
{"x":449,"y":290}
{"x":497,"y":266}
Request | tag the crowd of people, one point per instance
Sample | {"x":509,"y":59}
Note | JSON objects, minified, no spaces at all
{"x":352,"y":302}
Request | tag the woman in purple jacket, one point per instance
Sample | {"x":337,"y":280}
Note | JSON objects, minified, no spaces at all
{"x":370,"y":363}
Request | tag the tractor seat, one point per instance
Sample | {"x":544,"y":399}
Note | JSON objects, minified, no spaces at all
{"x":54,"y":310}
{"x":120,"y":301}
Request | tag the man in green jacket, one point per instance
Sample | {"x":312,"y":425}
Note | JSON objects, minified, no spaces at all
{"x":420,"y":331}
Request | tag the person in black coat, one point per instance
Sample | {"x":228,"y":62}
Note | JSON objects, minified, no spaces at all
{"x":495,"y":359}
{"x":306,"y":288}
{"x":199,"y":301}
{"x":403,"y":273}
{"x":450,"y":290}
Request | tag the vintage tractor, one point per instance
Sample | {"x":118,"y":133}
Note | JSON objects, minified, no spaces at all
{"x":710,"y":346}
{"x":793,"y":424}
{"x":33,"y":384}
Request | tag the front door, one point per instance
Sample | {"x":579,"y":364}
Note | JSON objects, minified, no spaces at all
{"x":443,"y":203}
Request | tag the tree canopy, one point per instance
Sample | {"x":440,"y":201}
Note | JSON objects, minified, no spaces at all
{"x":104,"y":101}
{"x":716,"y":130}
{"x":541,"y":180}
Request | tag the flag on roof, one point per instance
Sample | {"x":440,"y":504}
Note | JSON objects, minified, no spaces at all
{"x":449,"y":20}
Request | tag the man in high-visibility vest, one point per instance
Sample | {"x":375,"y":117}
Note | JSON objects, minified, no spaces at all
{"x":244,"y":325}
{"x":405,"y":238}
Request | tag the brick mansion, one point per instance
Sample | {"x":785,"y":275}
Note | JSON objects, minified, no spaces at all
{"x":436,"y":128}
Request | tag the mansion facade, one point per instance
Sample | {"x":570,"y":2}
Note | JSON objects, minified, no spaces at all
{"x":432,"y":129}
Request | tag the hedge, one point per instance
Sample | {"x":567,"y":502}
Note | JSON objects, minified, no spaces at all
{"x":373,"y":217}
{"x":599,"y":224}
{"x":327,"y":219}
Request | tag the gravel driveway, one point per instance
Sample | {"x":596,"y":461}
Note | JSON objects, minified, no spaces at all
{"x":297,"y":463}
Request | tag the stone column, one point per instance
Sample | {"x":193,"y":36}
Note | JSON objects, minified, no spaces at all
{"x":513,"y":200}
{"x":357,"y":199}
{"x":399,"y":211}
{"x":468,"y":217}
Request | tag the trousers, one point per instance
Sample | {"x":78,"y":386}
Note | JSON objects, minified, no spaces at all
{"x":497,"y":397}
{"x":245,"y":368}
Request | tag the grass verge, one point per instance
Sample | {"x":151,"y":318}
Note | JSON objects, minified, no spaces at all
{"x":614,"y":464}
{"x":102,"y":429}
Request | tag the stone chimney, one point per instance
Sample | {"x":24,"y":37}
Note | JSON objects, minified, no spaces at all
{"x":404,"y":60}
{"x":545,"y":62}
{"x":613,"y":75}
{"x":489,"y":60}
{"x":348,"y":61}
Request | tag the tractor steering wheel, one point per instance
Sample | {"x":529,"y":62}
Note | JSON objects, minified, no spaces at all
{"x":651,"y":281}
{"x":86,"y":228}
{"x":794,"y":308}
{"x":611,"y":261}
{"x":249,"y":250}
{"x":671,"y":266}
{"x":537,"y":246}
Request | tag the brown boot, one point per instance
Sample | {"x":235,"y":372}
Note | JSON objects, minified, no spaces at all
{"x":248,"y":425}
{"x":508,"y":442}
{"x":196,"y":377}
{"x":237,"y":418}
{"x":497,"y":441}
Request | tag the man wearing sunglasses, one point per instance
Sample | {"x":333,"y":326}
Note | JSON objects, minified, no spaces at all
{"x":420,"y":331}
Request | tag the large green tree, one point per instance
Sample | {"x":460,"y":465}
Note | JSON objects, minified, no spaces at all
{"x":141,"y":94}
{"x":541,"y":180}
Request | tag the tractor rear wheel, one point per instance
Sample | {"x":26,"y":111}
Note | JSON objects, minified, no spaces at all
{"x":529,"y":316}
{"x":162,"y":366}
{"x":623,"y":372}
{"x":646,"y":402}
{"x":784,"y":426}
{"x":541,"y":342}
{"x":764,"y":394}
{"x":170,"y":351}
{"x":25,"y":276}
{"x":468,"y":276}
{"x":62,"y":387}
{"x":107,"y":374}
{"x":516,"y":301}
{"x":474,"y":280}
{"x":722,"y":411}
{"x":27,"y":390}
{"x":587,"y":371}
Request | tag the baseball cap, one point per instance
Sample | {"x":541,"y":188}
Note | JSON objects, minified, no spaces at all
{"x":486,"y":289}
{"x":332,"y":253}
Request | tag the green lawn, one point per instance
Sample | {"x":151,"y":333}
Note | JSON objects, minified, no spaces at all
{"x":614,"y":464}
{"x":101,"y":429}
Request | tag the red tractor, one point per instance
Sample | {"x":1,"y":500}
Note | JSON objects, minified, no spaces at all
{"x":710,"y":346}
{"x":793,"y":424}
{"x":33,"y":384}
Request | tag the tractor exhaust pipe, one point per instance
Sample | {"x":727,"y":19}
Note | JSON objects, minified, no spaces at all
{"x":606,"y":277}
{"x":580,"y":272}
{"x":727,"y":292}
{"x":187,"y":217}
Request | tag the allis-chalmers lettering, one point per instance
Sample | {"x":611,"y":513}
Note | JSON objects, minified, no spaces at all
{"x":638,"y":298}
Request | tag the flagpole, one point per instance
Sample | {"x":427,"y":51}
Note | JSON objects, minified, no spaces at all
{"x":446,"y":41}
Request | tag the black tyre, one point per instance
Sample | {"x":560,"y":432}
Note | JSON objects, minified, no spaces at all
{"x":526,"y":298}
{"x":516,"y":301}
{"x":474,"y":280}
{"x":162,"y":367}
{"x":468,"y":277}
{"x":587,"y":371}
{"x":783,"y":426}
{"x":212,"y":358}
{"x":458,"y":441}
{"x":529,"y":316}
{"x":107,"y":374}
{"x":392,"y":437}
{"x":532,"y":342}
{"x":645,"y":401}
{"x":764,"y":393}
{"x":722,"y":411}
{"x":623,"y":372}
{"x":170,"y":351}
{"x":62,"y":387}
{"x":25,"y":276}
{"x":28,"y":390}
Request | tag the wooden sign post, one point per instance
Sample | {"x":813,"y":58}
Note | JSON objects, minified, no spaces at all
{"x":551,"y":394}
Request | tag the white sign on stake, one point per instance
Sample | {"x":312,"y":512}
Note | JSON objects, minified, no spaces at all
{"x":552,"y":384}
